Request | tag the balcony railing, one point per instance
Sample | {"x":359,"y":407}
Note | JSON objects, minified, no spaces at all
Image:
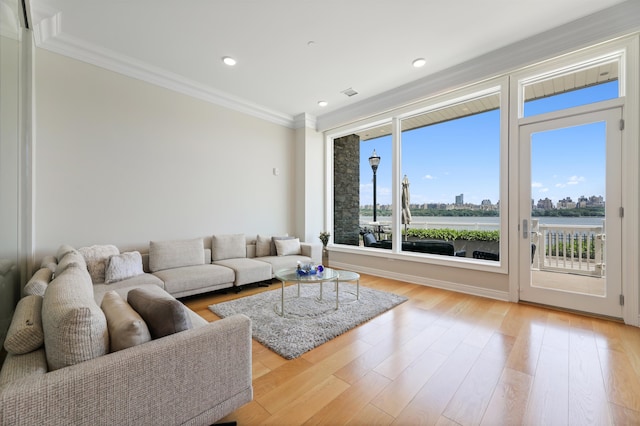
{"x":578,"y":249}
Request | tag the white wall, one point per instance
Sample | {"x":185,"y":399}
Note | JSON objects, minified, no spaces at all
{"x":123,"y":162}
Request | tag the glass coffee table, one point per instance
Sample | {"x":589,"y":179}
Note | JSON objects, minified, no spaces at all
{"x":291,"y":275}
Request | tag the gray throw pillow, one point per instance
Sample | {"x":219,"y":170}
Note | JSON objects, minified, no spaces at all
{"x":162,"y":313}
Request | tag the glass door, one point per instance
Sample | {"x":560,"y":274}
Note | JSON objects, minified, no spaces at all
{"x":570,"y":204}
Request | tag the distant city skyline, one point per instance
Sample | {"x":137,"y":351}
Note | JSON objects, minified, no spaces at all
{"x":462,"y":157}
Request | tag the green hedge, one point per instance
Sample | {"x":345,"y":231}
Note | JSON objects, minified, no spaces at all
{"x":449,"y":234}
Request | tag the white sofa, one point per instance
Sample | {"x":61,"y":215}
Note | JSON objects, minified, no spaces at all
{"x":59,"y":370}
{"x":199,"y":265}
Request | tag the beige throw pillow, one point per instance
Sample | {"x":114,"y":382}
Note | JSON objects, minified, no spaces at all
{"x":123,"y":266}
{"x":274,"y":251}
{"x":37,"y":284}
{"x":287,"y":247}
{"x":75,"y":328}
{"x":71,"y":258}
{"x":97,"y":257}
{"x":263,"y":246}
{"x":126,"y":326}
{"x":25,"y":333}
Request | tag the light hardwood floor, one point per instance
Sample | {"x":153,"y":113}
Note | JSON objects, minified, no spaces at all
{"x":446,"y":358}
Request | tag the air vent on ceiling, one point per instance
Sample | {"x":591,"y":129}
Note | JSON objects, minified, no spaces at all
{"x":349,"y":92}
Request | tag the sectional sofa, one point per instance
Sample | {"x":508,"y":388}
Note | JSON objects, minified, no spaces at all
{"x":99,"y":337}
{"x":82,"y":354}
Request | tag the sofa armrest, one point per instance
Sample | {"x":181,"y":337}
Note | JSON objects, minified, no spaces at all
{"x":314,"y":251}
{"x":195,"y":376}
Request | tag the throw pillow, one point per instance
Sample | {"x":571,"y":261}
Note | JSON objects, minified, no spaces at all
{"x":232,"y":246}
{"x":126,"y":326}
{"x":25,"y":333}
{"x":263,"y":246}
{"x":37,"y":284}
{"x":63,"y":250}
{"x":174,"y":254}
{"x":75,"y":328}
{"x":97,"y":257}
{"x":49,"y":262}
{"x":163,"y":314}
{"x":288,"y":247}
{"x":71,"y":258}
{"x":272,"y":249}
{"x":123,"y":266}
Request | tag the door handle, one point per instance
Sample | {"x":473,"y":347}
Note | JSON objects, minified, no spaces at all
{"x":525,"y":228}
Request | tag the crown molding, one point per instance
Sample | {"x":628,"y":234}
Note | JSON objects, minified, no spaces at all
{"x":304,"y":120}
{"x":616,"y":21}
{"x":48,"y":35}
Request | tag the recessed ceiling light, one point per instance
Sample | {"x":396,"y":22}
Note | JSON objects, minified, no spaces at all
{"x":323,"y":103}
{"x":420,"y":62}
{"x":228,"y":60}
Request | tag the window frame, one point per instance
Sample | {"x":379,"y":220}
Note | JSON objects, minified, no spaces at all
{"x":498,"y":85}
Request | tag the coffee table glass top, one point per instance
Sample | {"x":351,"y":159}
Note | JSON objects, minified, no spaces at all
{"x":292,"y":275}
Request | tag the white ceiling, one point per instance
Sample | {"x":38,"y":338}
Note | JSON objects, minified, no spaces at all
{"x":367,"y":45}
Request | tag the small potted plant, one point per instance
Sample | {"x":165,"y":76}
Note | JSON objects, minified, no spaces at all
{"x":324,"y":238}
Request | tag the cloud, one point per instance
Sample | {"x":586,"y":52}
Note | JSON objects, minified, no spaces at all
{"x":536,"y":184}
{"x":574,"y":180}
{"x":428,"y":177}
{"x":543,"y":190}
{"x":560,"y":185}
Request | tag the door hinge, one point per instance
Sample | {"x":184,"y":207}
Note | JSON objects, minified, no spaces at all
{"x":622,"y":124}
{"x":622,"y":300}
{"x":621,"y":211}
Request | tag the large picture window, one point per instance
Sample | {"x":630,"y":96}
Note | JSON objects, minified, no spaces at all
{"x":451,"y":175}
{"x":442,"y":198}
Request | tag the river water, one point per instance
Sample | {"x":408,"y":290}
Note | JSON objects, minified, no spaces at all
{"x":480,"y":223}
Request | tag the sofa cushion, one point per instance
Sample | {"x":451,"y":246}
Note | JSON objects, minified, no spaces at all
{"x":163,"y":314}
{"x":126,"y":326}
{"x":176,"y":253}
{"x":25,"y":333}
{"x":233,"y":246}
{"x":287,"y":247}
{"x":71,"y":258}
{"x":75,"y":328}
{"x":263,"y":246}
{"x":97,"y":257}
{"x":284,"y":262}
{"x":247,"y":270}
{"x":123,"y":266}
{"x":193,"y":279}
{"x":122,"y":287}
{"x":37,"y":284}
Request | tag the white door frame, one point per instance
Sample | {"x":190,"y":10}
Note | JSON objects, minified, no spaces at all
{"x":609,"y":304}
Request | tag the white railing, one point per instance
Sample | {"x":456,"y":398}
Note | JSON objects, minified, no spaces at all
{"x":578,"y":249}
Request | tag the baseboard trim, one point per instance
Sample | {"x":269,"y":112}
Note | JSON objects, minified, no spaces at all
{"x":414,"y":279}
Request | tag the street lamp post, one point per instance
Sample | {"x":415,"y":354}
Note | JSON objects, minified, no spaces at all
{"x":374,"y":160}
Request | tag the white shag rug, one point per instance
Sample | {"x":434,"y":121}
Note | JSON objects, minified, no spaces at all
{"x":308,"y":322}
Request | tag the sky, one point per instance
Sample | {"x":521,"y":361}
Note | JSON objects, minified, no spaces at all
{"x":462,"y":157}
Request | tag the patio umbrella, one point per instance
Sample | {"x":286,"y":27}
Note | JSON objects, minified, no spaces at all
{"x":406,"y":213}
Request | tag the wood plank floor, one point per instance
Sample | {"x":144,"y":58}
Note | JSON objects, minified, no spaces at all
{"x":446,"y":358}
